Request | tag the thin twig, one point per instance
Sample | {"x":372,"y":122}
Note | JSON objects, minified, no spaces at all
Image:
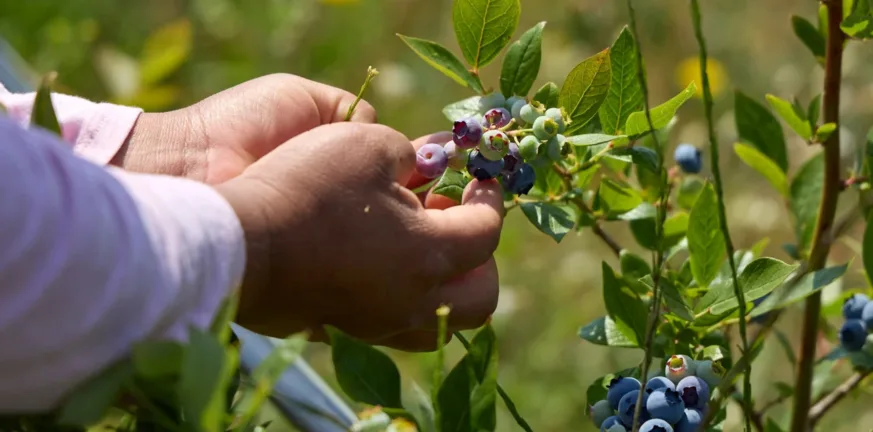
{"x":821,"y":408}
{"x":827,"y":212}
{"x":371,"y":73}
{"x":567,"y":178}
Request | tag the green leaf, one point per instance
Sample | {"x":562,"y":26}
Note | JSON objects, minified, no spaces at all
{"x":824,"y":132}
{"x":591,"y":139}
{"x":548,"y":94}
{"x":43,"y":113}
{"x":757,"y":126}
{"x":422,"y":409}
{"x":814,"y":110}
{"x":637,"y":124}
{"x":598,"y":390}
{"x":220,"y":326}
{"x":796,"y":120}
{"x":786,"y":347}
{"x":793,"y":292}
{"x":713,"y":352}
{"x":451,"y":184}
{"x":643,"y":231}
{"x":584,"y":90}
{"x":763,"y":165}
{"x":643,"y":211}
{"x":757,"y":280}
{"x":204,"y":369}
{"x":633,"y":265}
{"x":625,"y":93}
{"x":603,"y":331}
{"x":642,"y":156}
{"x":555,"y":221}
{"x":454,"y":399}
{"x":672,"y":297}
{"x":689,"y":190}
{"x":675,"y":228}
{"x":364,"y":373}
{"x":705,"y":239}
{"x":859,"y":24}
{"x":165,"y":51}
{"x":809,"y":35}
{"x":158,"y":359}
{"x":483,"y":360}
{"x":617,"y":198}
{"x":484,"y":27}
{"x":89,"y":403}
{"x":521,"y":65}
{"x":624,"y":307}
{"x":444,"y":61}
{"x":462,"y":109}
{"x":806,"y":190}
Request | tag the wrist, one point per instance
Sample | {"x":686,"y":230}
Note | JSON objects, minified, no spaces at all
{"x":162,"y":143}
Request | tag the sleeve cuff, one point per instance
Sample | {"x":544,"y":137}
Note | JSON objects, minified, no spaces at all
{"x":105,"y":131}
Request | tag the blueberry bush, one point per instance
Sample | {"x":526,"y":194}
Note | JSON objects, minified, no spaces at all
{"x":590,"y":152}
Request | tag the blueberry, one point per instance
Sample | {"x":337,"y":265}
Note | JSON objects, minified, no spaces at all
{"x":554,"y":147}
{"x":627,"y":406}
{"x":490,"y":101}
{"x":599,"y":412}
{"x":854,"y":306}
{"x":665,"y":404}
{"x":515,"y":110}
{"x":467,"y":133}
{"x":457,"y":156}
{"x":867,"y":315}
{"x":497,"y":118}
{"x":688,"y":157}
{"x":612,"y":424}
{"x":711,"y":373}
{"x":521,"y":181}
{"x":529,"y":147}
{"x":694,"y":391}
{"x":678,"y":367}
{"x":545,"y":128}
{"x":494,"y":145}
{"x":431,"y":160}
{"x":853,"y":334}
{"x":656,"y":425}
{"x":512,"y":160}
{"x":659,"y":382}
{"x":618,"y":387}
{"x":481,"y":168}
{"x":512,"y":101}
{"x":690,"y":421}
{"x":558,"y":116}
{"x":529,"y":113}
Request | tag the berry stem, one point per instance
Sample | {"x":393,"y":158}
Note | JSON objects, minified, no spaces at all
{"x":826,"y":213}
{"x":371,"y":73}
{"x":831,"y":399}
{"x":696,"y":18}
{"x":442,"y":314}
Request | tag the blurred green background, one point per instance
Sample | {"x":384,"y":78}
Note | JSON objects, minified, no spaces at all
{"x":164,"y":54}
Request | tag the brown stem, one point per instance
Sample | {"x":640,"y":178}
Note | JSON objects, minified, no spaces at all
{"x":819,"y":409}
{"x":567,"y":178}
{"x":827,"y":212}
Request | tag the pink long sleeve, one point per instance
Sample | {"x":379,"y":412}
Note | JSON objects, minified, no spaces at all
{"x":94,"y":259}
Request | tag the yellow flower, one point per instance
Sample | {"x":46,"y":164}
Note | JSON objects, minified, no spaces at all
{"x":689,"y":70}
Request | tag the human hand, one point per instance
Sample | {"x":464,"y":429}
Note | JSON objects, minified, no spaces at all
{"x":336,"y":238}
{"x":217,"y":138}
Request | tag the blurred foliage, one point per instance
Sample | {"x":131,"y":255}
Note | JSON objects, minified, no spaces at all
{"x":164,"y":54}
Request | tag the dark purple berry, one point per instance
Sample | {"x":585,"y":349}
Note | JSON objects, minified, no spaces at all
{"x":467,"y":133}
{"x":853,"y":335}
{"x":431,"y":160}
{"x":497,"y":118}
{"x":694,"y":391}
{"x":853,"y":307}
{"x":481,"y":168}
{"x":521,"y":181}
{"x":512,"y":160}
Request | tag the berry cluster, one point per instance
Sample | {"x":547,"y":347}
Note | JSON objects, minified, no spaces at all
{"x":858,"y":312}
{"x":674,"y":402}
{"x":506,"y":139}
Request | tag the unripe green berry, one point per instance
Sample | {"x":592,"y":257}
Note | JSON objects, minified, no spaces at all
{"x":556,"y":115}
{"x":545,"y":128}
{"x":529,"y":114}
{"x":491,"y":101}
{"x":457,"y":156}
{"x":511,"y":101}
{"x":516,"y":111}
{"x":528,"y":147}
{"x":554,"y":147}
{"x":494,"y":145}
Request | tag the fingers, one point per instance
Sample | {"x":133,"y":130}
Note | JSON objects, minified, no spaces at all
{"x":471,"y":297}
{"x":333,"y":103}
{"x":465,"y":236}
{"x":414,"y":341}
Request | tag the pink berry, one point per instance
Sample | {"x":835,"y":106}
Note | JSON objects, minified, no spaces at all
{"x":497,"y":118}
{"x":431,"y":160}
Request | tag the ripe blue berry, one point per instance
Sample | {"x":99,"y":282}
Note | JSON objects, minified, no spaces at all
{"x":678,"y":367}
{"x":690,"y":422}
{"x":656,"y":425}
{"x":545,"y":128}
{"x":467,"y":133}
{"x":867,"y":315}
{"x":556,"y":115}
{"x":528,"y":147}
{"x":515,"y":110}
{"x":599,"y":412}
{"x":457,"y":156}
{"x":665,"y":404}
{"x":490,"y":101}
{"x":512,"y":160}
{"x":627,"y":406}
{"x":612,"y":424}
{"x":521,"y":181}
{"x":482,"y":168}
{"x":688,"y":157}
{"x":659,"y":382}
{"x":494,"y":145}
{"x":694,"y":391}
{"x":620,"y":386}
{"x":854,"y":306}
{"x":709,"y":372}
{"x":431,"y":160}
{"x":529,"y":114}
{"x":853,"y":334}
{"x":497,"y":118}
